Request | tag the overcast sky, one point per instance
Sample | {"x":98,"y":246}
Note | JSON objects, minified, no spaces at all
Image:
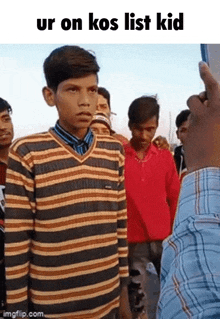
{"x":128,"y":71}
{"x":133,"y":63}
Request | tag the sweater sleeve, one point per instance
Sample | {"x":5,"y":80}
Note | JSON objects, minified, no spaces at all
{"x":19,"y":221}
{"x":172,"y":186}
{"x":122,"y":225}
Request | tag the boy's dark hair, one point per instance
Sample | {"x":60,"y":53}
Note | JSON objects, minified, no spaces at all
{"x":143,"y":109}
{"x":67,"y":62}
{"x":182,"y":117}
{"x":4,"y":105}
{"x":105,"y":93}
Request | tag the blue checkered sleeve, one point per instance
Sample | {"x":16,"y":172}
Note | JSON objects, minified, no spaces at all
{"x":190,"y":273}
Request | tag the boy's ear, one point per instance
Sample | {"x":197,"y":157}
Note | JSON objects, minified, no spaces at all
{"x":49,"y":96}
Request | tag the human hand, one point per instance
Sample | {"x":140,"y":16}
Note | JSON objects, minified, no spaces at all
{"x":124,"y":308}
{"x":202,"y":146}
{"x":161,"y":142}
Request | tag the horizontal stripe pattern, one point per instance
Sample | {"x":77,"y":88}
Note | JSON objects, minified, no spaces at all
{"x":94,"y":313}
{"x":90,"y":266}
{"x":68,"y":213}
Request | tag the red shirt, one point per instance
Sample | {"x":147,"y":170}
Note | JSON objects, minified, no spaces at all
{"x":152,"y":188}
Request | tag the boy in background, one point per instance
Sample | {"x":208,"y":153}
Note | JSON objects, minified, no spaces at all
{"x":101,"y":124}
{"x":66,"y":248}
{"x":152,"y":189}
{"x":104,"y":106}
{"x":6,"y":136}
{"x":182,"y":124}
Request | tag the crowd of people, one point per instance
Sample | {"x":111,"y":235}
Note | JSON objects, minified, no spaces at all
{"x":86,"y":209}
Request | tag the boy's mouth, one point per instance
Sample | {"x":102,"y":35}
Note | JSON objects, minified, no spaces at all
{"x":4,"y":135}
{"x":84,"y":114}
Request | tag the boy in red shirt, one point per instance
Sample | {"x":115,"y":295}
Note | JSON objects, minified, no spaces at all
{"x":152,"y":188}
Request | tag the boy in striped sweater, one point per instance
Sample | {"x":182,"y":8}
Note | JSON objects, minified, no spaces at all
{"x":66,"y":247}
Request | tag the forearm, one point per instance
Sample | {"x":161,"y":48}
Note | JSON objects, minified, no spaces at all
{"x":199,"y":194}
{"x":122,"y":243}
{"x":17,"y":253}
{"x":122,"y":227}
{"x":18,"y":232}
{"x":190,"y":261}
{"x":124,"y":309}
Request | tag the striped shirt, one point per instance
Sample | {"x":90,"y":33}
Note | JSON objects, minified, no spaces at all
{"x":190,"y":275}
{"x":66,"y":247}
{"x":80,"y":146}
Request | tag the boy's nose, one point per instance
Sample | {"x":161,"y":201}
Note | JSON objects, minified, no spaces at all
{"x":144,"y":135}
{"x":98,"y":108}
{"x":83,"y":99}
{"x":3,"y":126}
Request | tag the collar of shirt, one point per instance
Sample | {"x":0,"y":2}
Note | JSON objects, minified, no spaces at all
{"x":80,"y":146}
{"x":129,"y":150}
{"x":182,"y":150}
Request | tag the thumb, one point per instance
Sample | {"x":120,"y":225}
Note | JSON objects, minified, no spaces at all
{"x":212,"y":86}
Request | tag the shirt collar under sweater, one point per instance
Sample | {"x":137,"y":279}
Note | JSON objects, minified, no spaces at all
{"x":80,"y":146}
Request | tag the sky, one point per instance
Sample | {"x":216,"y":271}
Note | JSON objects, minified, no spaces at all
{"x":128,"y":71}
{"x":133,"y":63}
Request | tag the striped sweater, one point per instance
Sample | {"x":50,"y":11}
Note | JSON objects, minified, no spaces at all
{"x":65,"y":225}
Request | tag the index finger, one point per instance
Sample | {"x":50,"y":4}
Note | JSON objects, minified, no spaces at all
{"x":212,"y":86}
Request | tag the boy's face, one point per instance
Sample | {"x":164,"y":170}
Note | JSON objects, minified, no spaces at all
{"x":100,"y":128}
{"x":76,"y":101}
{"x":143,"y":134}
{"x":182,"y":131}
{"x":102,"y":105}
{"x":6,"y":129}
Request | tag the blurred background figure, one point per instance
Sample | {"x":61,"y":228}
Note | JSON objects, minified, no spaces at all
{"x":120,"y":138}
{"x":161,"y":142}
{"x":182,"y":124}
{"x":104,"y":107}
{"x":6,"y":136}
{"x":101,"y":124}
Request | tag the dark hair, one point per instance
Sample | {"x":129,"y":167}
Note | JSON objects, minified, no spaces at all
{"x":143,"y":109}
{"x":182,"y":117}
{"x":67,"y":62}
{"x":4,"y":105}
{"x":105,"y":93}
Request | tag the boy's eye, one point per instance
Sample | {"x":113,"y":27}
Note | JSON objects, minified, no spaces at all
{"x":72,"y":89}
{"x":6,"y":119}
{"x":94,"y":129}
{"x":104,"y":106}
{"x":93,"y":90}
